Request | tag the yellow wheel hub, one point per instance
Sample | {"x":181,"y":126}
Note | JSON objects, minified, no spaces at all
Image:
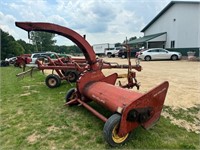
{"x":116,"y":137}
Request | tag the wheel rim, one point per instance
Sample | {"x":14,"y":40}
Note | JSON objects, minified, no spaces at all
{"x":147,"y":58}
{"x":73,"y":96}
{"x":71,"y":77}
{"x":173,"y":57}
{"x":52,"y":82}
{"x":116,"y":137}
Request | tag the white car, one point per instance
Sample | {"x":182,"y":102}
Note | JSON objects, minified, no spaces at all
{"x":159,"y":53}
{"x":11,"y":60}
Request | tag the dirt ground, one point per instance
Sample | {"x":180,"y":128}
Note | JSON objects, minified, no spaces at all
{"x":183,"y":77}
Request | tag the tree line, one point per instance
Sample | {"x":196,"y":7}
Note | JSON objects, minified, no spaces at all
{"x":40,"y":42}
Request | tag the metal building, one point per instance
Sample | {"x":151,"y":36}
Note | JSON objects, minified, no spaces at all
{"x":177,"y":26}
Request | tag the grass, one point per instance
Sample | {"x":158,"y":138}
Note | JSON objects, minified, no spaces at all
{"x":190,"y":115}
{"x":32,"y":116}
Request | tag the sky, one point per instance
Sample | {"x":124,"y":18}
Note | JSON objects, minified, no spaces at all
{"x":103,"y":21}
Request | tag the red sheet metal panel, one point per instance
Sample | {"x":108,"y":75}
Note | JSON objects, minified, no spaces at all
{"x":112,"y":97}
{"x":154,"y":99}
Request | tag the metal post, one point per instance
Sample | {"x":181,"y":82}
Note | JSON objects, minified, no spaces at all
{"x":100,"y":116}
{"x":147,"y":46}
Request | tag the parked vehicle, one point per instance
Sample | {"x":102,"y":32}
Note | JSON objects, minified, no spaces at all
{"x":4,"y":63}
{"x":159,"y":53}
{"x":112,"y":52}
{"x":99,"y":49}
{"x":35,"y":56}
{"x":11,"y":60}
{"x":123,"y":53}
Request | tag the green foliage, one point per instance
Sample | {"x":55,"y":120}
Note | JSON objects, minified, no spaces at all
{"x":67,"y":49}
{"x":117,"y":44}
{"x":43,"y":40}
{"x":132,"y":38}
{"x":27,"y":47}
{"x":33,"y":117}
{"x":9,"y":47}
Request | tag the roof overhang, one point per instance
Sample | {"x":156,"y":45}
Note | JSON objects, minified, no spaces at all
{"x":148,"y":38}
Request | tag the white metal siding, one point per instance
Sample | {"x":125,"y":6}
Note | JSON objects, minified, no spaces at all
{"x":182,"y":24}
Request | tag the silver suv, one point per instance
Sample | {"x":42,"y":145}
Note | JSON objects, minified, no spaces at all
{"x":35,"y":56}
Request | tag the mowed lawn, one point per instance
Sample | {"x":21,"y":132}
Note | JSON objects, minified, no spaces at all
{"x":32,"y":116}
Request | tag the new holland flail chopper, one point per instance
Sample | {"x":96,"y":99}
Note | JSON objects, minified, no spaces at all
{"x":130,"y":109}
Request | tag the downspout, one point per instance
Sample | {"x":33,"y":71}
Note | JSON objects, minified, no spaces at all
{"x":147,"y":45}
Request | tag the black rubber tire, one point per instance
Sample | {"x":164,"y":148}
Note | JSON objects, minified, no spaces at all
{"x":109,"y":55}
{"x":73,"y":75}
{"x":174,"y":57}
{"x":4,"y":63}
{"x":63,"y":72}
{"x":71,"y":95}
{"x":123,"y":56}
{"x":53,"y":81}
{"x":147,"y":58}
{"x":111,"y":124}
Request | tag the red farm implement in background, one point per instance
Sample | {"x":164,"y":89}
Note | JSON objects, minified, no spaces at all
{"x":69,"y":69}
{"x":66,"y":68}
{"x":22,"y":60}
{"x":130,"y":109}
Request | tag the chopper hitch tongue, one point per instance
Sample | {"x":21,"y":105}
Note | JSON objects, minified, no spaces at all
{"x":130,"y":109}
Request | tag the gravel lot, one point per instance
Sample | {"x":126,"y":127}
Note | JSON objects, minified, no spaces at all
{"x":183,"y":77}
